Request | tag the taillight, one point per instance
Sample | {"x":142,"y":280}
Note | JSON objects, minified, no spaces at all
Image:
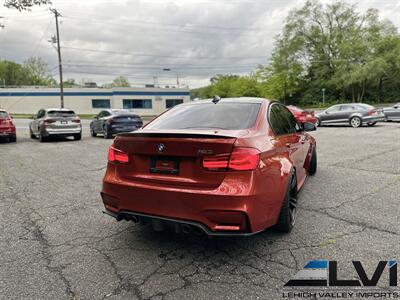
{"x":217,"y":162}
{"x":116,"y":155}
{"x":371,"y":112}
{"x":241,"y":159}
{"x":48,"y":121}
{"x":76,"y":120}
{"x":244,"y":159}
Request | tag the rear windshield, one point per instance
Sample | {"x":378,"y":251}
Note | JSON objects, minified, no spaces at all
{"x":294,"y":108}
{"x":3,"y":114}
{"x":365,"y":106}
{"x":61,"y":113}
{"x":228,"y":116}
{"x":121,"y":112}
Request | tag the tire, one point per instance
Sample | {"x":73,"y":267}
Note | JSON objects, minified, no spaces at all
{"x":318,"y":123}
{"x":371,"y":124}
{"x":41,"y":138}
{"x":92,"y":132}
{"x":287,"y":216}
{"x":78,"y":137}
{"x":31,"y":134}
{"x":355,"y":122}
{"x":106,"y":133}
{"x":312,"y":169}
{"x":13,"y":139}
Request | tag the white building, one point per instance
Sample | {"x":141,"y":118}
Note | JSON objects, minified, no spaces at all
{"x":144,"y":101}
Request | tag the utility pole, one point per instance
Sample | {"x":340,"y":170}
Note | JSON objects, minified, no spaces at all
{"x":1,"y":24}
{"x":323,"y":96}
{"x":57,"y":14}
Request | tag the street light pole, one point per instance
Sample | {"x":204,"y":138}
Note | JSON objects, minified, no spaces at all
{"x":57,"y":14}
{"x":323,"y":96}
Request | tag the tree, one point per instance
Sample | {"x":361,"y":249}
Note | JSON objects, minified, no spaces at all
{"x":13,"y":73}
{"x":25,"y":4}
{"x":332,"y":47}
{"x":353,"y":56}
{"x":121,"y":81}
{"x":69,"y":83}
{"x":37,"y":71}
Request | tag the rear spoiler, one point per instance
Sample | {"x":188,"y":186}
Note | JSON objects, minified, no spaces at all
{"x":175,"y":134}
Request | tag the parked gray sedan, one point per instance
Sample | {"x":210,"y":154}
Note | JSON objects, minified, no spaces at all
{"x":392,"y":113}
{"x":355,"y":114}
{"x":55,"y":122}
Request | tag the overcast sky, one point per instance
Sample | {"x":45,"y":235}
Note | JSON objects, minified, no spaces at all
{"x":138,"y":39}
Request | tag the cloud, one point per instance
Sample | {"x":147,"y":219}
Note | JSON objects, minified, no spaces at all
{"x":138,"y":39}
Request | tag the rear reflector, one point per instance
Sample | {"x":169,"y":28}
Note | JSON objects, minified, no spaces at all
{"x":241,"y":159}
{"x":116,"y":155}
{"x":76,"y":120}
{"x":48,"y":121}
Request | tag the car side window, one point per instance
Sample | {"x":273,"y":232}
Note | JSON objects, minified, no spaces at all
{"x":281,"y":120}
{"x":347,"y":107}
{"x":101,"y":114}
{"x":333,"y":109}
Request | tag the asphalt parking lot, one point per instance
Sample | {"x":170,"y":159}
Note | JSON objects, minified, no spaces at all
{"x":56,"y":243}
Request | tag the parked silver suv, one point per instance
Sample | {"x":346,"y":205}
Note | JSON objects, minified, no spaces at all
{"x":355,"y":114}
{"x":55,"y":122}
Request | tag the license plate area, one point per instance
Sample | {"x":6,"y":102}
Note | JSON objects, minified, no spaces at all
{"x":164,"y":165}
{"x":64,"y":122}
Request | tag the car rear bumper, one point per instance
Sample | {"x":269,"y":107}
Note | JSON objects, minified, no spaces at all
{"x":116,"y":130}
{"x":192,"y":226}
{"x":372,"y":119}
{"x":7,"y":131}
{"x":241,"y":205}
{"x":61,"y":131}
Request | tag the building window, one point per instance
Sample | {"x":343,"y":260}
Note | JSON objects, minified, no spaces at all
{"x":172,"y":102}
{"x":137,"y":103}
{"x":101,"y":103}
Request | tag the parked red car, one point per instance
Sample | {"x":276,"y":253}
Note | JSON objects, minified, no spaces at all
{"x":302,"y":116}
{"x":7,"y":127}
{"x":223,"y":167}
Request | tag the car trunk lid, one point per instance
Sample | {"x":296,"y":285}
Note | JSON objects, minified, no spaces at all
{"x":174,"y":157}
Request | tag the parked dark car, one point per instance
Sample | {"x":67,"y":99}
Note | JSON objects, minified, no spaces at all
{"x":55,"y":122}
{"x":392,"y":113}
{"x":7,"y":127}
{"x":355,"y":114}
{"x":112,"y":121}
{"x":224,"y":167}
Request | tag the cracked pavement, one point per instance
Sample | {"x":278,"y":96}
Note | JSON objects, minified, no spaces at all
{"x":56,"y":244}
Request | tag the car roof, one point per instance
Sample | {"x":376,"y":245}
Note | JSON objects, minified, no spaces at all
{"x":230,"y":100}
{"x":59,"y":109}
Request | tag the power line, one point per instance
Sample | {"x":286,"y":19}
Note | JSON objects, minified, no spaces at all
{"x":159,"y":55}
{"x":104,"y":19}
{"x":159,"y":67}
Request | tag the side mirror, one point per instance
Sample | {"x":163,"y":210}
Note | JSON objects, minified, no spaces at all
{"x":307,"y":126}
{"x":11,"y":116}
{"x":33,"y":117}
